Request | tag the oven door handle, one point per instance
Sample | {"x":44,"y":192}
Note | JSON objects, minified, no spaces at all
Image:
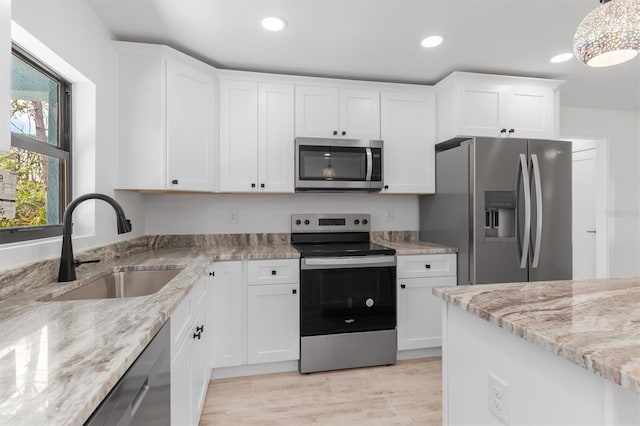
{"x":347,"y":262}
{"x":369,"y":165}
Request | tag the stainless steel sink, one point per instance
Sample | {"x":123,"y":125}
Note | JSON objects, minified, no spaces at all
{"x":122,"y":284}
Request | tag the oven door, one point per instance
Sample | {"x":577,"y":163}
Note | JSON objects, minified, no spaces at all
{"x":349,"y":294}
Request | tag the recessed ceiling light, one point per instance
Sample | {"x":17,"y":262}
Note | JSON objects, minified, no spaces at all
{"x":432,"y":41}
{"x":563,"y":57}
{"x":274,"y":23}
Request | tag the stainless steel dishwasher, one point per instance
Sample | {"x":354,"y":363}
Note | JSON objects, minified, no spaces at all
{"x":143,"y":394}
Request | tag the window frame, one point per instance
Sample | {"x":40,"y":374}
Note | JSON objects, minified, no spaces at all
{"x":62,"y":151}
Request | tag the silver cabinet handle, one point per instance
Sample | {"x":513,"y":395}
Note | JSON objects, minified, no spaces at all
{"x":538,"y":187}
{"x":523,"y":171}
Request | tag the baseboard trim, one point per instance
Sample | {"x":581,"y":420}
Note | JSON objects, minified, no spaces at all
{"x":287,"y":366}
{"x":420,"y":353}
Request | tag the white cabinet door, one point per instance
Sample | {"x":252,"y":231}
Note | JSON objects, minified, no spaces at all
{"x":530,"y":111}
{"x":317,"y":111}
{"x":181,"y":400}
{"x":199,"y":368}
{"x":238,"y":136}
{"x":419,"y":316}
{"x":359,"y":114}
{"x":273,"y":323}
{"x":190,"y":128}
{"x":482,"y":108}
{"x":408,"y":131}
{"x":5,"y":73}
{"x":225,"y":315}
{"x":275,"y":137}
{"x":140,"y":118}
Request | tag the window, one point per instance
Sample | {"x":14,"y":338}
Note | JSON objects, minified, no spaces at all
{"x":40,"y":154}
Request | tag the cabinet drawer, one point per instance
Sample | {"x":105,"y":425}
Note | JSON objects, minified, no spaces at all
{"x":280,"y":271}
{"x":428,"y":265}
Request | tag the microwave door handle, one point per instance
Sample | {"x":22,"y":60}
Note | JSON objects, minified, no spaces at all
{"x":369,"y":165}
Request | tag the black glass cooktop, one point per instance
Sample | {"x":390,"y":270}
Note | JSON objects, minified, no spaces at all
{"x":342,"y":249}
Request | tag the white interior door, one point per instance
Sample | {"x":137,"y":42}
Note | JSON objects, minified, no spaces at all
{"x":584,"y":213}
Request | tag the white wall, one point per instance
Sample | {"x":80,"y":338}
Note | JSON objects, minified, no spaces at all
{"x":208,"y":214}
{"x":622,"y":131}
{"x":72,"y":31}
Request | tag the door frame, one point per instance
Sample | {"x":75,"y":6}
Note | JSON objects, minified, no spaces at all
{"x":603,"y":226}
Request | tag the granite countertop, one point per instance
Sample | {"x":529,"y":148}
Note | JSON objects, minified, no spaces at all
{"x":58,"y":360}
{"x":594,"y":324}
{"x":417,"y":247}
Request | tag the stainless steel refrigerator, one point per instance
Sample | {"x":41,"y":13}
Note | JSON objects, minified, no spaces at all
{"x":506,"y":205}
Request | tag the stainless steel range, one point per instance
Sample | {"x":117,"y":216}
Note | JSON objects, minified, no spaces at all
{"x":347,"y":293}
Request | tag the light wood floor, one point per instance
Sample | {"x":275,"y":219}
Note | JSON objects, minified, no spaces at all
{"x":408,"y":393}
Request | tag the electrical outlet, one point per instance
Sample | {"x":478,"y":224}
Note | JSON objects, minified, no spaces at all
{"x":234,"y":217}
{"x":391,"y":215}
{"x":499,"y":398}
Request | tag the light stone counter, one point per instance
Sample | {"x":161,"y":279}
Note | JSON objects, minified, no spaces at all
{"x":594,"y":324}
{"x":407,"y":243}
{"x":58,"y":360}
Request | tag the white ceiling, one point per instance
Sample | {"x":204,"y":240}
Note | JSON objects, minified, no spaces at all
{"x":380,"y":39}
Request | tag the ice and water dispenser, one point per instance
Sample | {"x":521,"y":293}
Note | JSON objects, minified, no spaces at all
{"x":499,"y":214}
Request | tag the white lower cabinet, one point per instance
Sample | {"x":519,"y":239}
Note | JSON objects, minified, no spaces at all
{"x":254,"y":312}
{"x":189,"y":370}
{"x":226,"y":315}
{"x":273,"y":323}
{"x":419,"y":311}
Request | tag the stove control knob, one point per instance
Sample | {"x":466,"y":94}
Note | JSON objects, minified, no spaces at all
{"x":298,"y":222}
{"x":365,"y":221}
{"x":356,"y":222}
{"x":306,"y":222}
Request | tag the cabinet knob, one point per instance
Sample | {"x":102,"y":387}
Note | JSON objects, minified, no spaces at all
{"x":512,"y":130}
{"x":212,"y":274}
{"x":335,"y":132}
{"x":273,"y":272}
{"x":427,"y":266}
{"x":200,"y":329}
{"x":262,"y":185}
{"x":403,"y":286}
{"x":174,"y":182}
{"x":344,"y":133}
{"x":503,"y":131}
{"x":197,"y":335}
{"x":253,"y":185}
{"x":386,"y":187}
{"x":294,"y":291}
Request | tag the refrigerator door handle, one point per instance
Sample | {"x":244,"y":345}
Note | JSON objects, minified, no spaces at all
{"x":538,"y":187}
{"x":523,"y":171}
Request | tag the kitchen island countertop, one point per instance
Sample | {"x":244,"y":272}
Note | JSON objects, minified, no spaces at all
{"x":594,"y":324}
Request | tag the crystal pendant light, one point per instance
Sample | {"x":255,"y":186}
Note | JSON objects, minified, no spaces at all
{"x":610,"y":34}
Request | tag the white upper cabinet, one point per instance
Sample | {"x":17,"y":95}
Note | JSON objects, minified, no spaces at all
{"x":496,"y":106}
{"x":256,"y":136}
{"x":275,"y":137}
{"x":408,"y":131}
{"x":330,"y":112}
{"x":190,"y":128}
{"x":165,"y":113}
{"x":238,"y":136}
{"x":5,"y":72}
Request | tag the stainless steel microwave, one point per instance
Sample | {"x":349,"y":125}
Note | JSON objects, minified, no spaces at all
{"x":338,"y":165}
